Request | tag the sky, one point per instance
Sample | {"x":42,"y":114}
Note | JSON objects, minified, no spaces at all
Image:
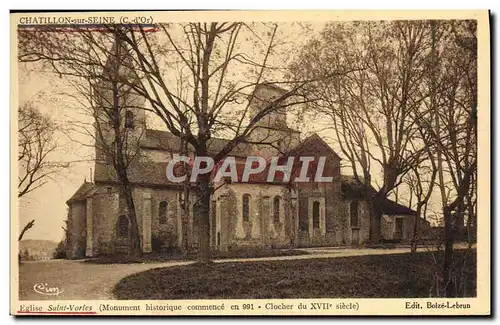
{"x":47,"y":204}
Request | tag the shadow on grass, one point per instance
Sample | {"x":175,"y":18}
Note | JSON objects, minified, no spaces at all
{"x":374,"y":276}
{"x":177,"y":256}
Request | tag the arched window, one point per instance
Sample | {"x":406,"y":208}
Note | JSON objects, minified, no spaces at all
{"x":276,"y":206}
{"x":162,"y":212}
{"x":315,"y":215}
{"x":246,"y":207}
{"x":353,"y":210}
{"x":122,"y":227}
{"x":129,"y":119}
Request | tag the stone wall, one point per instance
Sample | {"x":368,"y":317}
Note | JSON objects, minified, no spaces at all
{"x":107,"y":205}
{"x":360,"y":234}
{"x":294,"y":227}
{"x":227,"y":210}
{"x":388,"y":227}
{"x":331,"y":219}
{"x":105,"y":210}
{"x":261,"y":229}
{"x":77,"y":230}
{"x":166,"y":233}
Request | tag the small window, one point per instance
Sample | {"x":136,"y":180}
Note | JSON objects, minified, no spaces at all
{"x":162,"y":212}
{"x":122,"y":227}
{"x":315,"y":215}
{"x":129,"y":119}
{"x":276,"y":206}
{"x":109,"y":190}
{"x":246,"y":207}
{"x":353,"y":211}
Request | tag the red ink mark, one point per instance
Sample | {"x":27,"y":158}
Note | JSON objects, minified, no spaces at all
{"x":59,"y":312}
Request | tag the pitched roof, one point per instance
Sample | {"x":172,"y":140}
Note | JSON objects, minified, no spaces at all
{"x":306,"y":144}
{"x":144,"y":172}
{"x":392,"y":208}
{"x":261,"y":177}
{"x":354,"y":189}
{"x":83,"y":192}
{"x":156,"y":139}
{"x":164,"y":140}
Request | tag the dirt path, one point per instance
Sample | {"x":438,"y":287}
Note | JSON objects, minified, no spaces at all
{"x":84,"y":281}
{"x":79,"y":281}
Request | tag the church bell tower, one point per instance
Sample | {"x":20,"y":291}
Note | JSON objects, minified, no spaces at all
{"x":117,"y":107}
{"x":272,"y":131}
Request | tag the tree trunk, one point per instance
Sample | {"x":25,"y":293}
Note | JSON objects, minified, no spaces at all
{"x":471,"y":224}
{"x":185,"y":197}
{"x":203,"y":215}
{"x":126,"y":191}
{"x":185,"y":233}
{"x":185,"y":218}
{"x":375,"y":220}
{"x":448,"y":254}
{"x":293,"y":220}
{"x":471,"y":214}
{"x":135,"y":237}
{"x":414,"y":237}
{"x":414,"y":242}
{"x":459,"y":222}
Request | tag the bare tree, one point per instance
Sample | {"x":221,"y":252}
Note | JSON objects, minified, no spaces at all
{"x":96,"y":72}
{"x":210,"y":54}
{"x":410,"y":105}
{"x":35,"y":144}
{"x":370,"y":108}
{"x":218,"y":66}
{"x":420,"y":181}
{"x":451,"y":121}
{"x":116,"y":139}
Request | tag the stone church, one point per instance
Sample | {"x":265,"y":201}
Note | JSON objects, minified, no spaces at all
{"x":253,"y":214}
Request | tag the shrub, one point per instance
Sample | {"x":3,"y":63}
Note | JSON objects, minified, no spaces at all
{"x":60,"y":251}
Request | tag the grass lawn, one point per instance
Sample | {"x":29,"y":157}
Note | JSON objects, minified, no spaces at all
{"x":387,"y":276}
{"x":164,"y":257}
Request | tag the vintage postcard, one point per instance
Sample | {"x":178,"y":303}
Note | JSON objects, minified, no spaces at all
{"x":250,"y":163}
